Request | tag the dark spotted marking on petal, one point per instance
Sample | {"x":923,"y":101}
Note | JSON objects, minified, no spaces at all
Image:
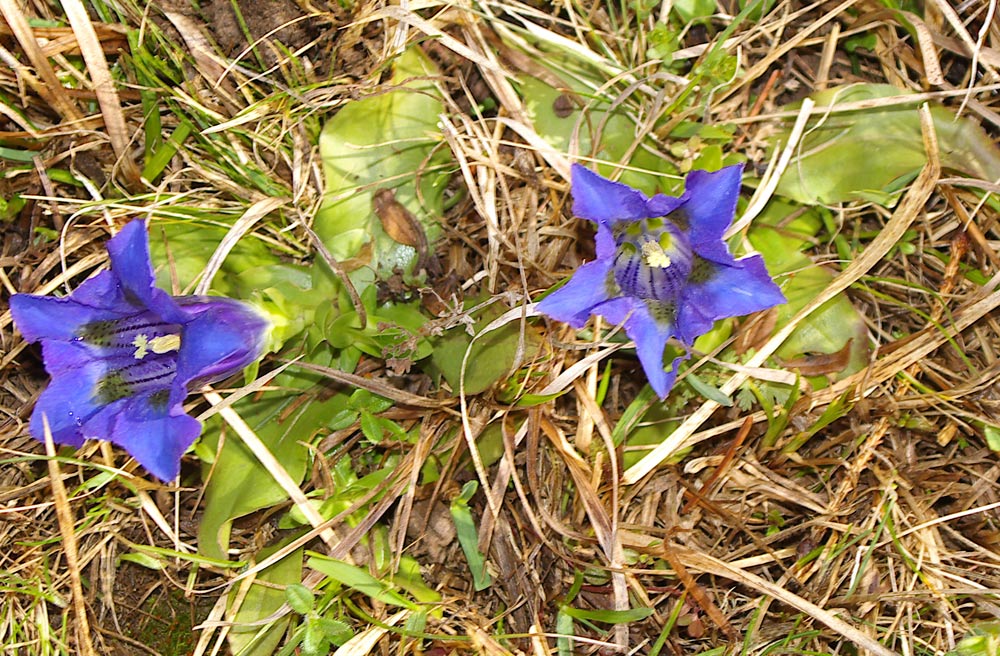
{"x":98,"y":333}
{"x":158,"y":400}
{"x":680,"y":219}
{"x":702,"y":270}
{"x":112,"y":387}
{"x":131,"y":298}
{"x":663,"y":312}
{"x":611,"y":285}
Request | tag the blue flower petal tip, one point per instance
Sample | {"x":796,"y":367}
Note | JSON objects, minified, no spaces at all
{"x":123,"y":355}
{"x":666,"y":263}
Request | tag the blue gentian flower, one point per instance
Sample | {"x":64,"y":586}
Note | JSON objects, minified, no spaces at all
{"x":662,"y":266}
{"x":123,"y":356}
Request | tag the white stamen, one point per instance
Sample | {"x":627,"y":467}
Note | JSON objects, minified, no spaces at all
{"x":165,"y":343}
{"x":654,"y":255}
{"x":140,"y":343}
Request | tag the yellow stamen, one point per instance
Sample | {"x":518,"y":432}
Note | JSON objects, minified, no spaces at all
{"x":140,"y":343}
{"x":165,"y":343}
{"x":654,"y":255}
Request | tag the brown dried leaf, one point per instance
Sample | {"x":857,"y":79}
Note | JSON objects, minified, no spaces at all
{"x":822,"y":363}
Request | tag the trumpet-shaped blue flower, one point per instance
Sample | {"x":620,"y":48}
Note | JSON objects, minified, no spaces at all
{"x":123,"y":356}
{"x":662,"y":267}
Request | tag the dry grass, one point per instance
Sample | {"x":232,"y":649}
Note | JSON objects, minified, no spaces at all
{"x":880,"y":532}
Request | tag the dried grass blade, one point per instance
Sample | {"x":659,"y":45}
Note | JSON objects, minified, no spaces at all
{"x":376,"y":386}
{"x":50,"y":89}
{"x":710,"y":565}
{"x":104,"y":87}
{"x":904,"y":215}
{"x":266,"y":458}
{"x":254,"y":213}
{"x":67,"y":528}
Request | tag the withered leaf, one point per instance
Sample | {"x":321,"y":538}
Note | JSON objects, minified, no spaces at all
{"x":401,"y":226}
{"x":821,"y":364}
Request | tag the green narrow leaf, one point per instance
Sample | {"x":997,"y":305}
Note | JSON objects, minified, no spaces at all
{"x":710,"y":392}
{"x":609,"y":616}
{"x":468,"y":536}
{"x":564,"y":627}
{"x":360,"y":580}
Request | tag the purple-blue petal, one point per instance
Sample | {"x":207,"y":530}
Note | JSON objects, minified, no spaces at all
{"x":133,"y":271}
{"x":616,"y":310}
{"x":601,"y":200}
{"x":68,"y":402}
{"x":48,"y":317}
{"x":69,"y":357}
{"x":572,"y":303}
{"x":221,"y":337}
{"x":662,"y":205}
{"x":710,"y":205}
{"x":130,"y":261}
{"x":730,"y":291}
{"x":692,"y":322}
{"x":155,"y":434}
{"x":650,"y":337}
{"x":605,"y":240}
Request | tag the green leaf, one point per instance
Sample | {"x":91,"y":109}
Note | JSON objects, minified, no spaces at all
{"x":144,"y":560}
{"x":708,"y":391}
{"x":247,"y":637}
{"x":694,"y":11}
{"x":390,"y":140}
{"x":608,"y":616}
{"x":492,"y":355}
{"x":300,"y":598}
{"x":287,"y":293}
{"x":992,"y":435}
{"x":565,"y":629}
{"x":468,"y":536}
{"x":360,"y":580}
{"x":555,"y":117}
{"x":834,"y":161}
{"x":982,"y":640}
{"x":240,"y":484}
{"x":828,"y":329}
{"x":335,"y":631}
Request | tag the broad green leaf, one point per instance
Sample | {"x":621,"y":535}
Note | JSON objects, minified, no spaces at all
{"x":387,"y":141}
{"x":360,"y":580}
{"x":266,"y":595}
{"x":835,"y":163}
{"x":468,"y":536}
{"x":289,"y":294}
{"x":992,"y":434}
{"x":555,"y":116}
{"x":829,"y":328}
{"x":982,"y":640}
{"x":491,"y":357}
{"x":694,"y":11}
{"x":188,"y":243}
{"x":240,"y":484}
